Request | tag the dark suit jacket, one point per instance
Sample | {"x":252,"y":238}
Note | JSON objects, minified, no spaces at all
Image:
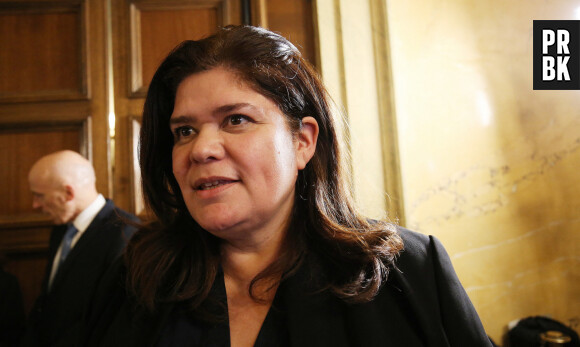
{"x":12,"y":318}
{"x":421,"y":304}
{"x":57,"y":316}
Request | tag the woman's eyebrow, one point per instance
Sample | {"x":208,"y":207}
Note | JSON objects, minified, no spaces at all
{"x":220,"y":110}
{"x":181,"y":120}
{"x":232,"y":107}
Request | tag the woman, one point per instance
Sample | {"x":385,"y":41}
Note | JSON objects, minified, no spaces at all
{"x":257,"y":241}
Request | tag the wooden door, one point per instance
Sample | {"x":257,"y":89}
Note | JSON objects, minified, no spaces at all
{"x":52,"y":97}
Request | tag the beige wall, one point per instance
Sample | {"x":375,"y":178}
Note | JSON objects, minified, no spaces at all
{"x":489,"y":165}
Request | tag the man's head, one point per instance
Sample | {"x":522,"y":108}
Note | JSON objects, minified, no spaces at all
{"x":63,"y":185}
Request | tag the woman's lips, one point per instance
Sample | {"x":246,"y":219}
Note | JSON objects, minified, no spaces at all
{"x":213,"y":184}
{"x":211,"y":181}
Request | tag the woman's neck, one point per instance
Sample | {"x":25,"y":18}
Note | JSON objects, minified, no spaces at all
{"x":242,"y":262}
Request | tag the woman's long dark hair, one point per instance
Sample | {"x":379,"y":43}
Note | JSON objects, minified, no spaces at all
{"x":174,"y":259}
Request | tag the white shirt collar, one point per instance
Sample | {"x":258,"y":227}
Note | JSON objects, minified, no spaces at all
{"x":82,"y":222}
{"x":85,"y":218}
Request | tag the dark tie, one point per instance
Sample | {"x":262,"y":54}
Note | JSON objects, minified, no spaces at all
{"x":67,"y":242}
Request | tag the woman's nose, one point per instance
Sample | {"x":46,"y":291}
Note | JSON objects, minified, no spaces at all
{"x":207,"y":146}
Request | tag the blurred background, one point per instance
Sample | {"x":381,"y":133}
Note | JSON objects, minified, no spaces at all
{"x":446,"y":134}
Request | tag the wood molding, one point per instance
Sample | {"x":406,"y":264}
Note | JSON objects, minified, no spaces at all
{"x":388,"y":120}
{"x":136,"y":191}
{"x":24,"y":220}
{"x":23,"y":234}
{"x":83,"y":126}
{"x":259,"y":13}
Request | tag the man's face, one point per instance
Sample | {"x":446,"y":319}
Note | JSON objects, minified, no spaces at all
{"x":51,"y":199}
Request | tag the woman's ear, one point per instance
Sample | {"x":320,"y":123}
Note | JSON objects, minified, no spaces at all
{"x":306,"y":142}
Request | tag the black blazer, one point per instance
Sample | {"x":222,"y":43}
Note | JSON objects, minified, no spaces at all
{"x":57,"y":316}
{"x":12,"y":317}
{"x":421,"y":304}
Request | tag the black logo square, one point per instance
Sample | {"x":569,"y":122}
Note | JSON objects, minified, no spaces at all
{"x":557,"y":54}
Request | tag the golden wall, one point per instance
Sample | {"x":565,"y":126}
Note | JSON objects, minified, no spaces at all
{"x":488,"y":165}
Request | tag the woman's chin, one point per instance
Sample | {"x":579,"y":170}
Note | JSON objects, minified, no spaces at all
{"x":218,"y":225}
{"x":216,"y":216}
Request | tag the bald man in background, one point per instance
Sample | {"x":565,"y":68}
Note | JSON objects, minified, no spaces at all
{"x":89,"y":235}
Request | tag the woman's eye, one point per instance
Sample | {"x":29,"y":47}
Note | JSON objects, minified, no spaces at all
{"x":182,"y":132}
{"x":237,"y":119}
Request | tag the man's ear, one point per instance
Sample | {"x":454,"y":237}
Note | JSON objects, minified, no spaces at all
{"x":69,"y":192}
{"x":306,"y":142}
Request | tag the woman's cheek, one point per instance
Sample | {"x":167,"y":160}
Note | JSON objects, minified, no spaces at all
{"x":179,"y":162}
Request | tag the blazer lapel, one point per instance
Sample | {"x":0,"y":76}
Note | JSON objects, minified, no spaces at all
{"x":83,"y":245}
{"x":419,"y":294}
{"x":92,"y":231}
{"x":395,"y":317}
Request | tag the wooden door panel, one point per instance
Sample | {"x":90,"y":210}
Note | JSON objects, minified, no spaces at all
{"x":161,"y":31}
{"x":43,"y":53}
{"x":294,"y":20}
{"x":156,"y":27}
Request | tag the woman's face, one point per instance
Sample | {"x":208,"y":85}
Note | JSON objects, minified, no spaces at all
{"x":234,"y":157}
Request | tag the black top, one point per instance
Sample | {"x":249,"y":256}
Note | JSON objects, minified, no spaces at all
{"x":421,"y":304}
{"x":183,"y":330}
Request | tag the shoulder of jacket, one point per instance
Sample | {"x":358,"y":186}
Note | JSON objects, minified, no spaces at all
{"x":413,"y":242}
{"x":419,"y":252}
